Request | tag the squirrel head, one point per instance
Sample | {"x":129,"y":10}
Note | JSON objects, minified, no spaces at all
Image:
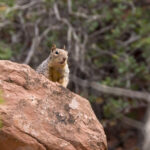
{"x":58,"y":56}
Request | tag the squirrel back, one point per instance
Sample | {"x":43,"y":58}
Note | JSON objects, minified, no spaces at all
{"x":55,"y":67}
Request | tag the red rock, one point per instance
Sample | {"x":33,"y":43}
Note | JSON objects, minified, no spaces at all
{"x":38,"y":114}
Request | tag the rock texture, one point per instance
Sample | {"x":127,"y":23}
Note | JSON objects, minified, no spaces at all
{"x":38,"y":114}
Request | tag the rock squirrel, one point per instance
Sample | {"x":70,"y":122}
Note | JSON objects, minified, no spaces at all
{"x":55,"y":67}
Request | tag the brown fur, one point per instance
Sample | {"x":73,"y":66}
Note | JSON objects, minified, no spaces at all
{"x":55,"y":67}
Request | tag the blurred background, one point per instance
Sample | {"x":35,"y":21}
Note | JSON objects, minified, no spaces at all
{"x":109,"y":56}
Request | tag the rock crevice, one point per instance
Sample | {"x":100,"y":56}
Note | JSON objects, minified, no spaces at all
{"x":37,"y":140}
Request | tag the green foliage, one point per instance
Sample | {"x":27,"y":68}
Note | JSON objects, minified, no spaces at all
{"x":91,"y":98}
{"x":113,"y":109}
{"x":127,"y":63}
{"x":126,"y":24}
{"x":8,"y":2}
{"x":93,"y":26}
{"x":5,"y":51}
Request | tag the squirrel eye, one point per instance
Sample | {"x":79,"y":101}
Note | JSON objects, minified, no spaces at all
{"x":56,"y":52}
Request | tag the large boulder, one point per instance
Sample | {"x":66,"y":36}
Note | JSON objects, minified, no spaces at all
{"x":38,"y":114}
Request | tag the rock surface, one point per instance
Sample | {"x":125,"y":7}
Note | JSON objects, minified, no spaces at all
{"x":38,"y":114}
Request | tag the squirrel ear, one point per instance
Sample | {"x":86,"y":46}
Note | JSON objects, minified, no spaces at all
{"x":53,"y":47}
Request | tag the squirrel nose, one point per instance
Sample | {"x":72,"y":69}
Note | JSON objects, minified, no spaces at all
{"x":64,"y":59}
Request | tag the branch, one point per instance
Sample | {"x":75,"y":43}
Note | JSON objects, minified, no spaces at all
{"x":112,"y":90}
{"x":81,"y":14}
{"x":72,"y":30}
{"x":48,"y":29}
{"x":131,"y":40}
{"x":133,"y":123}
{"x":146,"y":142}
{"x":65,"y":21}
{"x":101,"y":31}
{"x":5,"y":23}
{"x":22,"y":7}
{"x":35,"y":43}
